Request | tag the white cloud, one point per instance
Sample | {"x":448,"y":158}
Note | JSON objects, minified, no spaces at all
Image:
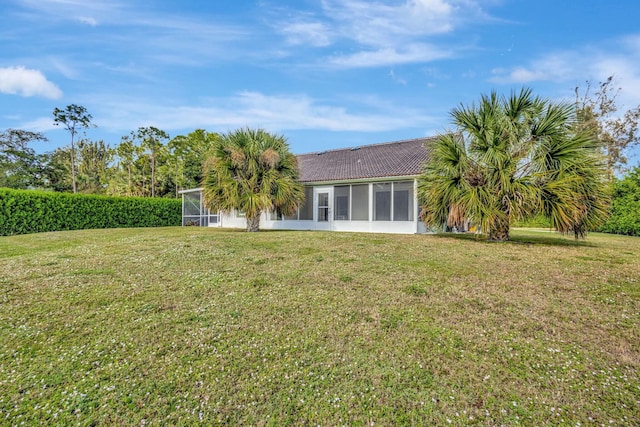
{"x":416,"y":53}
{"x":619,"y":58}
{"x":80,"y":10}
{"x":88,"y":20}
{"x":273,"y":112}
{"x":382,"y":24}
{"x":314,"y":33}
{"x":64,"y":66}
{"x":551,"y":67}
{"x":517,"y":75}
{"x":396,"y":78}
{"x":41,"y":124}
{"x":159,"y":37}
{"x":380,"y":33}
{"x":26,"y":82}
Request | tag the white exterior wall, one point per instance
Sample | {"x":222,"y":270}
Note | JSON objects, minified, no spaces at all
{"x":394,"y":227}
{"x":370,"y":226}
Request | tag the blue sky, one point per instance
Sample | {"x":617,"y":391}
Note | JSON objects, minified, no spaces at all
{"x":325,"y":73}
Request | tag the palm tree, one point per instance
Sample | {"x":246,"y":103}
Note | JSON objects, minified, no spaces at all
{"x":513,"y":158}
{"x":251,"y":171}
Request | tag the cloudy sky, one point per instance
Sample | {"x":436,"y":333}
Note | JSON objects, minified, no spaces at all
{"x":325,"y":73}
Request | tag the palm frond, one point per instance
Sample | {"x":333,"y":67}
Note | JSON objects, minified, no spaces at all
{"x":252,"y":171}
{"x":516,"y":157}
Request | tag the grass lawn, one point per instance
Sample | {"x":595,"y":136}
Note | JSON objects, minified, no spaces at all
{"x":176,"y":326}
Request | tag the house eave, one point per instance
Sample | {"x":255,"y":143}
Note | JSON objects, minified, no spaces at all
{"x":360,"y":180}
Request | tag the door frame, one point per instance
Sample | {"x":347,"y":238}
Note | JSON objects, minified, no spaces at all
{"x":323,"y":225}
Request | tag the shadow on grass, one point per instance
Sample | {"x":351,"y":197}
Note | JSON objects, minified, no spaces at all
{"x":518,"y":236}
{"x":545,"y":238}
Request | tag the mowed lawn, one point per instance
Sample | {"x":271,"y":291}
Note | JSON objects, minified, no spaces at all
{"x":180,"y":326}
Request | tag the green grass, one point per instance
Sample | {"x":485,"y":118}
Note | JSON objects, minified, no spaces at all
{"x":176,"y":326}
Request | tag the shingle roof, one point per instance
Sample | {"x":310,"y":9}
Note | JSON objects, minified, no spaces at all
{"x":399,"y":158}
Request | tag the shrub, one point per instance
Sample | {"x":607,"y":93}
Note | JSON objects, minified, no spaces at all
{"x":625,"y":206}
{"x":29,"y":211}
{"x":538,"y":221}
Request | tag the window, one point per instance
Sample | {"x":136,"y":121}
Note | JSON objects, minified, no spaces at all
{"x":360,"y":202}
{"x":323,"y":207}
{"x":403,"y":201}
{"x":341,"y":201}
{"x":306,"y":209}
{"x":382,"y":202}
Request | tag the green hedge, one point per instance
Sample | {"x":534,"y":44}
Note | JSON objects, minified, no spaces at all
{"x":29,"y":211}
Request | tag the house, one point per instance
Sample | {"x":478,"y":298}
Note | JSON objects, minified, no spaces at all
{"x":371,"y":188}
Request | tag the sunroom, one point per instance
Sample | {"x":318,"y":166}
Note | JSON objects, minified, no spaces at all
{"x":370,"y":188}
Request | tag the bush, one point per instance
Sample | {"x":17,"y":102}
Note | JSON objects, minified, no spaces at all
{"x":538,"y":221}
{"x":29,"y":211}
{"x":625,"y":206}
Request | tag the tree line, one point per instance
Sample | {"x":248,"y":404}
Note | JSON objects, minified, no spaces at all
{"x":147,"y":162}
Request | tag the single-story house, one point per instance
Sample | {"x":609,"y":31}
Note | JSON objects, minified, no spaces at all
{"x":371,"y":188}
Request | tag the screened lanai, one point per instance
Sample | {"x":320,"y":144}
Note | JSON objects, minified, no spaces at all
{"x":371,"y":188}
{"x":193,"y":210}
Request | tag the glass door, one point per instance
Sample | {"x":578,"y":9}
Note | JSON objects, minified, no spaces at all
{"x":323,"y":198}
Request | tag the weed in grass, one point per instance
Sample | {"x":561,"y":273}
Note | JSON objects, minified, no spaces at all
{"x":391,"y":321}
{"x":260,"y":282}
{"x":416,"y":290}
{"x":307,"y":251}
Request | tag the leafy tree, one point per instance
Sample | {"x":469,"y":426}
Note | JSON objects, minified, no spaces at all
{"x":73,"y":118}
{"x":598,"y":113}
{"x":94,"y":158}
{"x":131,"y":175}
{"x":151,"y":138}
{"x":187,"y":155}
{"x":252,"y":171}
{"x":20,"y":166}
{"x":512,"y":158}
{"x":122,"y":182}
{"x":625,"y":205}
{"x":57,"y":170}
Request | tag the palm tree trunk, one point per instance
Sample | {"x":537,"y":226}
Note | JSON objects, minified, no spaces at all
{"x":499,"y":232}
{"x":253,"y":223}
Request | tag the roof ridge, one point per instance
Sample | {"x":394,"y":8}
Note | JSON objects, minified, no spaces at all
{"x":358,"y":147}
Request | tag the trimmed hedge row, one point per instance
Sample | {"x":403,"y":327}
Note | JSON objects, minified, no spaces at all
{"x":29,"y":211}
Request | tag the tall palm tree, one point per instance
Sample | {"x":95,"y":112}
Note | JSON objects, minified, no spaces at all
{"x":252,"y":171}
{"x":510,"y":159}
